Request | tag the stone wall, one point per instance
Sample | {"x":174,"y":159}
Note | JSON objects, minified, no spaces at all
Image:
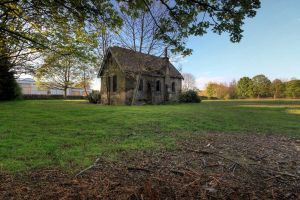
{"x":173,"y":96}
{"x":152,"y":96}
{"x":108,"y":96}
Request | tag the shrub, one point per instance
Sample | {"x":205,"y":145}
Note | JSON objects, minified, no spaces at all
{"x":9,"y":88}
{"x":94,"y":97}
{"x":189,"y":96}
{"x":48,"y":97}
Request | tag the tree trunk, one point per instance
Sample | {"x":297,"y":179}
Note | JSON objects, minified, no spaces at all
{"x":142,"y":34}
{"x":138,"y":78}
{"x":108,"y":89}
{"x":85,"y":90}
{"x":65,"y":92}
{"x":84,"y":83}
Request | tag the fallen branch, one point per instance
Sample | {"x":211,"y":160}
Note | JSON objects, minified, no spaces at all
{"x":199,"y":151}
{"x":191,"y":183}
{"x":280,"y":173}
{"x":275,"y":171}
{"x":90,"y":167}
{"x":233,"y":167}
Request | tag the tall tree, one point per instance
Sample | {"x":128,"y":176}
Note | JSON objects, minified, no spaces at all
{"x":8,"y":86}
{"x":261,"y":86}
{"x":218,"y":90}
{"x":72,"y":63}
{"x":58,"y":72}
{"x":245,"y":87}
{"x":232,"y":90}
{"x":293,"y":88}
{"x":211,"y":89}
{"x":139,"y":31}
{"x":196,"y":17}
{"x":189,"y":82}
{"x":277,"y":88}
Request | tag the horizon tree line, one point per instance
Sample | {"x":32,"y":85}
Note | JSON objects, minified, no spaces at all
{"x":258,"y":86}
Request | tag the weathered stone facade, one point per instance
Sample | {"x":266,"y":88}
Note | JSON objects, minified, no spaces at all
{"x":120,"y":80}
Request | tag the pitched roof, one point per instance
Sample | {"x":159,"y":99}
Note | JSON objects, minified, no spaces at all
{"x":132,"y":61}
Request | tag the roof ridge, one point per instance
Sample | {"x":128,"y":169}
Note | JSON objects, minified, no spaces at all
{"x":133,"y":61}
{"x":137,"y":52}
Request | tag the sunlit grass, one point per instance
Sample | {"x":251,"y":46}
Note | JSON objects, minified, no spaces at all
{"x":76,"y":100}
{"x":270,"y":106}
{"x":70,"y":134}
{"x":294,"y":111}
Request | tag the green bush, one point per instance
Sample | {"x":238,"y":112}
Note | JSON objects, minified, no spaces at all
{"x":189,"y":96}
{"x":9,"y":88}
{"x":94,"y":97}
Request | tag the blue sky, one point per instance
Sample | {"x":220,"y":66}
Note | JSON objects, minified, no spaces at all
{"x":270,"y":46}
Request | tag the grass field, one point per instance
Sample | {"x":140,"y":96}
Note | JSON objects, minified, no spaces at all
{"x":71,"y":134}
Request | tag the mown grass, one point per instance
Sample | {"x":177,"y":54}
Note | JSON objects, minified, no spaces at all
{"x":71,"y":134}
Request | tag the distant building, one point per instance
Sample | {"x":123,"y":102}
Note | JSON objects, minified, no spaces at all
{"x":28,"y":86}
{"x":159,"y":80}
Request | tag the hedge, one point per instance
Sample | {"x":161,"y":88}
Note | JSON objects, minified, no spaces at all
{"x":44,"y":96}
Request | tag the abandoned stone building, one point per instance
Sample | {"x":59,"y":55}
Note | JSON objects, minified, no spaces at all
{"x":129,"y":77}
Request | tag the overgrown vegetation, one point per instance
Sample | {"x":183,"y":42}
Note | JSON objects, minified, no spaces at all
{"x":94,"y":97}
{"x":189,"y":96}
{"x":71,"y":134}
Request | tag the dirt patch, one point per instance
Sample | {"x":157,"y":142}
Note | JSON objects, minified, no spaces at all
{"x":209,"y":166}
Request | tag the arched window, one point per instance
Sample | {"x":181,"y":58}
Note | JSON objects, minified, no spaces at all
{"x":141,"y":85}
{"x":157,"y":86}
{"x":173,"y":87}
{"x":108,"y":84}
{"x":115,"y":83}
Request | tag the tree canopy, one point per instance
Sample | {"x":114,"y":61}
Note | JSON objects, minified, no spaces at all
{"x":293,"y":89}
{"x":245,"y":87}
{"x":277,"y":88}
{"x":33,"y":22}
{"x":29,"y":29}
{"x":261,"y":86}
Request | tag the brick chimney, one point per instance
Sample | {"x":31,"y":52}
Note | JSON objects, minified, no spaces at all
{"x":166,"y":58}
{"x":167,"y":75}
{"x":166,"y":52}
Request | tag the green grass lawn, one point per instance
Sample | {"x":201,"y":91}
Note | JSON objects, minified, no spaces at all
{"x":71,"y":134}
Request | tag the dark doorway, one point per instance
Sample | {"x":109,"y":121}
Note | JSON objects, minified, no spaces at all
{"x":149,"y":93}
{"x":108,"y":84}
{"x":166,"y":93}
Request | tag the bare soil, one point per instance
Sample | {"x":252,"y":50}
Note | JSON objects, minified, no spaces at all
{"x":204,"y":166}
